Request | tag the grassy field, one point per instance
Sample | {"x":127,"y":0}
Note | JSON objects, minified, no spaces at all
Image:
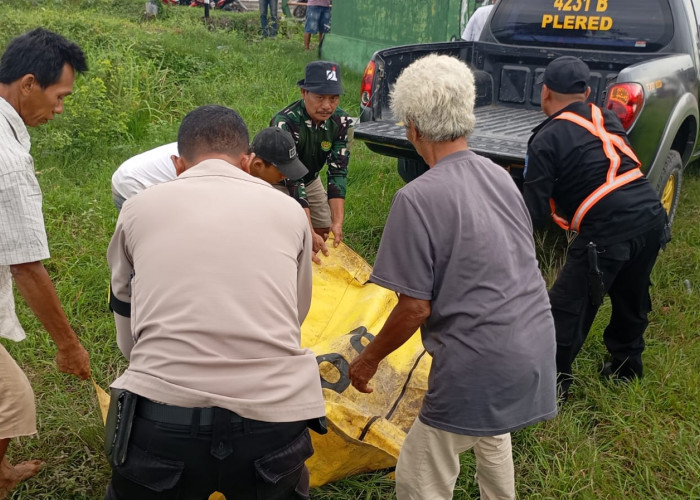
{"x":635,"y":441}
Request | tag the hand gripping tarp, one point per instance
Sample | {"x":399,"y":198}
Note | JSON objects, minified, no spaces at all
{"x":365,"y":431}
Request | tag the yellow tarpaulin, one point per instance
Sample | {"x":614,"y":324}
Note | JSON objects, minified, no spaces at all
{"x":365,"y":431}
{"x":102,"y":400}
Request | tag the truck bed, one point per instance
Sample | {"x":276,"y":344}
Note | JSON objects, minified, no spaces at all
{"x":501,"y":133}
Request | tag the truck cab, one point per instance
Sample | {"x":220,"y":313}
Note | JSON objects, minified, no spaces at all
{"x":643,"y":56}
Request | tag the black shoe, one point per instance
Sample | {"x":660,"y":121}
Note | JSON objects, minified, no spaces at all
{"x":622,"y":370}
{"x":563,"y":396}
{"x":563,"y":383}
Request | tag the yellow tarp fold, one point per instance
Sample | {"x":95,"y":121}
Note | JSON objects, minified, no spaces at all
{"x":365,"y":431}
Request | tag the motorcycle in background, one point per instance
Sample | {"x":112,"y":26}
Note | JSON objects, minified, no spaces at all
{"x":228,"y":5}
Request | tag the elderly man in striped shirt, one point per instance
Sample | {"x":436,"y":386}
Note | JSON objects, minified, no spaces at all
{"x":37,"y":71}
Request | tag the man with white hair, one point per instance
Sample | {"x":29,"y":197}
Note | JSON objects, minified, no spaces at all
{"x":458,"y":249}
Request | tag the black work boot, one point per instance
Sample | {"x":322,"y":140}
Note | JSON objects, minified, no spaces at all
{"x":626,"y":369}
{"x":563,"y":383}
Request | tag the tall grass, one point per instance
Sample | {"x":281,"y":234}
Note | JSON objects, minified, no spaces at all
{"x":635,"y":441}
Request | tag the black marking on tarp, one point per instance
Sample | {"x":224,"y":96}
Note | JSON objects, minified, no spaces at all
{"x":405,"y":385}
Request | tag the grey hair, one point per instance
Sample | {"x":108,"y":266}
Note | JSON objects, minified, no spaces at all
{"x":436,"y":93}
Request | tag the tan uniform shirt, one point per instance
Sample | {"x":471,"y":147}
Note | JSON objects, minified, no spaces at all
{"x":217,"y":267}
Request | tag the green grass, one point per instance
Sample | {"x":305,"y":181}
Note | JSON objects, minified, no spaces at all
{"x":613,"y":441}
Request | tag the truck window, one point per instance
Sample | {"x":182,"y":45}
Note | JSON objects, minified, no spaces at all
{"x":640,"y":26}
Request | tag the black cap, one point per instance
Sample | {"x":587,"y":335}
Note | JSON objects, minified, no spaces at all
{"x":276,"y":146}
{"x":566,"y":75}
{"x":322,"y":77}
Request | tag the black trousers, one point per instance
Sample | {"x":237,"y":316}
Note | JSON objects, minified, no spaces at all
{"x":625,"y":268}
{"x":244,"y":460}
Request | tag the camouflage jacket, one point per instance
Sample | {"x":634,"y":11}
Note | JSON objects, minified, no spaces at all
{"x":317,"y":145}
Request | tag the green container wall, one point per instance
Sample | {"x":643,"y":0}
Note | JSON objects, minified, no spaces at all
{"x":361,"y":27}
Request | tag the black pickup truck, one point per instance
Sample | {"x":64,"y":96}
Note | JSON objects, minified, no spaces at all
{"x":645,"y":66}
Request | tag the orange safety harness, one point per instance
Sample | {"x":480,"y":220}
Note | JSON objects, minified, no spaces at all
{"x":611,"y":143}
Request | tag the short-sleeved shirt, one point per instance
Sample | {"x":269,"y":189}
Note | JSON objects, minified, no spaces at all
{"x":317,"y":145}
{"x":214,"y":315}
{"x":22,"y":232}
{"x":460,"y":236}
{"x":144,"y":170}
{"x":472,"y":31}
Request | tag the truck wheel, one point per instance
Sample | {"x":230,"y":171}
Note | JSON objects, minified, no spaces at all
{"x":669,"y":184}
{"x":410,"y":169}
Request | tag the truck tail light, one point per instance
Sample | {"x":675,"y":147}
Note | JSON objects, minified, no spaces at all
{"x":366,"y":87}
{"x":625,"y":100}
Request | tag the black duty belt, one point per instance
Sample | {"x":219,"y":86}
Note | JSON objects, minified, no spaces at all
{"x":178,"y":415}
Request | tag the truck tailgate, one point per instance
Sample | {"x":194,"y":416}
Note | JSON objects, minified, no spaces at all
{"x":501,"y":134}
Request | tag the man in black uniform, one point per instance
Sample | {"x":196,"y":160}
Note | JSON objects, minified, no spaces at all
{"x":581,"y":170}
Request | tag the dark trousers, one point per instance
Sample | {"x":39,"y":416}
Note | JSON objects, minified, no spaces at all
{"x":271,"y":29}
{"x":625,"y":269}
{"x":243,"y":459}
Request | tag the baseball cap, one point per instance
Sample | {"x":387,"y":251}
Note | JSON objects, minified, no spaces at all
{"x":276,"y":146}
{"x":322,"y":77}
{"x":566,"y":75}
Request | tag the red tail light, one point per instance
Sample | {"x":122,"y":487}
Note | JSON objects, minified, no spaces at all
{"x":625,"y":100}
{"x":366,"y":87}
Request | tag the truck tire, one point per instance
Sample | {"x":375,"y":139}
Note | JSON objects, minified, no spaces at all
{"x":410,"y":169}
{"x":669,"y":184}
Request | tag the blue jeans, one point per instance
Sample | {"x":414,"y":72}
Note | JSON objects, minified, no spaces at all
{"x":271,"y":29}
{"x":318,"y":19}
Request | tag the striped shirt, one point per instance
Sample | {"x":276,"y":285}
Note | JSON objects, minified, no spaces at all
{"x":22,"y":232}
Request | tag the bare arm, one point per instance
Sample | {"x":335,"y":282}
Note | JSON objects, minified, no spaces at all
{"x":318,"y":241}
{"x":404,"y":320}
{"x":337,"y":216}
{"x":34,"y":283}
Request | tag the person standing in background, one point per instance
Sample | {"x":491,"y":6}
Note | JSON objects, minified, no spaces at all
{"x":477,"y":22}
{"x":268,"y":23}
{"x":318,"y":20}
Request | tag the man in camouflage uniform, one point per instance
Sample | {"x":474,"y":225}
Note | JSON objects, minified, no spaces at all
{"x":320,"y":130}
